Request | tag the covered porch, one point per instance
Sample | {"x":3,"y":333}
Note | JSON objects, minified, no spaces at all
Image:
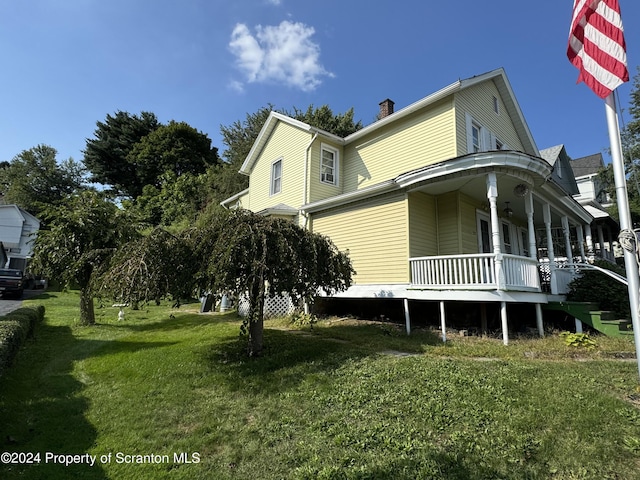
{"x":504,"y":230}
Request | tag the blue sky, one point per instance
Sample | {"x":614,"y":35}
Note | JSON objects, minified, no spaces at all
{"x":66,"y":64}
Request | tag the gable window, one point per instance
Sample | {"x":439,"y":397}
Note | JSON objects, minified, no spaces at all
{"x":476,"y":144}
{"x":329,"y":165}
{"x":276,"y":177}
{"x":496,"y":105}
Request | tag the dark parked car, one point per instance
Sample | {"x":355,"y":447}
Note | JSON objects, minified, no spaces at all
{"x":11,"y":282}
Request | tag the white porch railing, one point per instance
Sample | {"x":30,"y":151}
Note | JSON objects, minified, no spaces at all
{"x":485,"y":271}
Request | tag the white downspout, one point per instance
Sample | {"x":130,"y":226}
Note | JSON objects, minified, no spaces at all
{"x":305,"y":190}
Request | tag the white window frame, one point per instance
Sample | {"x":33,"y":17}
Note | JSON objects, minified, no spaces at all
{"x":484,"y":136}
{"x":523,"y":241}
{"x":336,"y":164}
{"x":507,"y":227}
{"x":275,"y":185}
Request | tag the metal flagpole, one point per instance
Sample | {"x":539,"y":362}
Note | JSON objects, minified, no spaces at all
{"x":630,"y":258}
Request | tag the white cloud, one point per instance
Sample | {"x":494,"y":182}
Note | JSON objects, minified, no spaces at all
{"x":283,"y":53}
{"x":274,"y":2}
{"x":236,"y":86}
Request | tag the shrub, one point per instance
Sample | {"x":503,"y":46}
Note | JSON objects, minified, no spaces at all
{"x":594,"y":286}
{"x":578,"y":340}
{"x":300,"y":319}
{"x":15,"y":328}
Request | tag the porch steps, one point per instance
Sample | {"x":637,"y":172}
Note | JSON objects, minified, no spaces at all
{"x":589,"y":313}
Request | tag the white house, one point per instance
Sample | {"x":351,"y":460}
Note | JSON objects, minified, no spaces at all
{"x":18,"y":230}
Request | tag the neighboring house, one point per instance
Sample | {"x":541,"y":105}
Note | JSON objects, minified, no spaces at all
{"x":595,"y":200}
{"x":18,"y":229}
{"x":438,"y":202}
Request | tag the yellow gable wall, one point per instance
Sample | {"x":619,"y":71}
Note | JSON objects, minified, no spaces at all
{"x":288,"y":143}
{"x":478,"y":102}
{"x":423,"y":138}
{"x":375,"y":233}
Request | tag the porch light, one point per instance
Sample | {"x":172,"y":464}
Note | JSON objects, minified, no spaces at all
{"x":520,"y":190}
{"x":507,"y":211}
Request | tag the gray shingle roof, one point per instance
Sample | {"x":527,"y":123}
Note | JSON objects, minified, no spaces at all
{"x":551,"y":154}
{"x":588,"y":165}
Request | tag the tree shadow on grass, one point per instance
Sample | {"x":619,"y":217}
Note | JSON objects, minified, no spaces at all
{"x":42,"y":409}
{"x":290,"y":355}
{"x":41,"y":404}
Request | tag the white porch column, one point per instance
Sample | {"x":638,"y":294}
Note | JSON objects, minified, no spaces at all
{"x":505,"y":327}
{"x":407,"y":318}
{"x":528,"y":207}
{"x":583,"y":257}
{"x":546,"y":213}
{"x":578,"y":325}
{"x":492,"y":196}
{"x":443,"y":323}
{"x":589,"y":240}
{"x":567,"y":239}
{"x":539,"y":322}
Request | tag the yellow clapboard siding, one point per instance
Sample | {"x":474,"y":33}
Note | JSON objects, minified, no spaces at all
{"x":469,"y":225}
{"x":423,"y":227}
{"x":375,"y":234}
{"x":448,"y":227}
{"x":289,"y":144}
{"x":424,"y":138}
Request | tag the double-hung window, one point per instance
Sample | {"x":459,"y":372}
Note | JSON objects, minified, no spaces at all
{"x":329,"y":165}
{"x":276,"y":177}
{"x":476,"y":144}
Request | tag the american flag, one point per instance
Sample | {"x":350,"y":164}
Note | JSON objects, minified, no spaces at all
{"x":596,"y":45}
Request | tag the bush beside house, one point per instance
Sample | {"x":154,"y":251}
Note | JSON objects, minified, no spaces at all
{"x":15,"y":328}
{"x":594,"y":286}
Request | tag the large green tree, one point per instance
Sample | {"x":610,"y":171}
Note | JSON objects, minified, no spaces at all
{"x":80,"y":236}
{"x":35,"y":178}
{"x":106,"y":154}
{"x":178,"y":200}
{"x":176,"y":148}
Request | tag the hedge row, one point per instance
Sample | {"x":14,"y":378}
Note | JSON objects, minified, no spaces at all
{"x":15,"y":328}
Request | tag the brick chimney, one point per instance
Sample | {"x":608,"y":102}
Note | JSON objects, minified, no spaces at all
{"x":386,"y":108}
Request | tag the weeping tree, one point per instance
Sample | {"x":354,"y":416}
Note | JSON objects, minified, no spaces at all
{"x":249,"y":254}
{"x":237,"y":252}
{"x":79,"y":237}
{"x":148,"y":269}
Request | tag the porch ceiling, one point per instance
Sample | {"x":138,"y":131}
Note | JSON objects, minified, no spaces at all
{"x":475,"y":187}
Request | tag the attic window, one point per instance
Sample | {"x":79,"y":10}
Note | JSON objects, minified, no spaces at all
{"x":329,"y":166}
{"x":496,"y":105}
{"x":276,"y":177}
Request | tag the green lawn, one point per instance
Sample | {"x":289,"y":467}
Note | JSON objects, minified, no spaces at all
{"x":338,"y":401}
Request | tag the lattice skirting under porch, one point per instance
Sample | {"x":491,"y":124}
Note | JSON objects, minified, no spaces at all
{"x":278,"y":306}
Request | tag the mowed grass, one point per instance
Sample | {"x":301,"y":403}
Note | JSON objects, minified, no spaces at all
{"x":344,"y":400}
